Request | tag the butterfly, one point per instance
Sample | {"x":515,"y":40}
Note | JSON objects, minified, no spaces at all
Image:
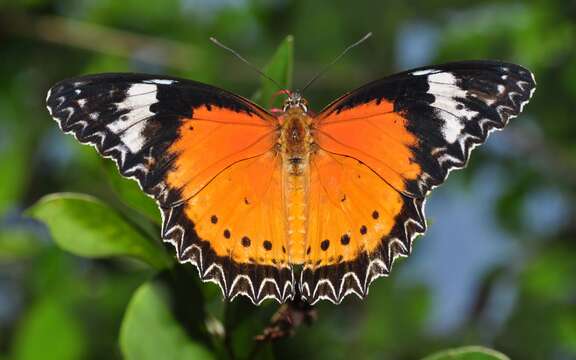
{"x":292,"y":204}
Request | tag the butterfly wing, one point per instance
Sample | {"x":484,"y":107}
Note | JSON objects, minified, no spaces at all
{"x":383,"y":147}
{"x":358,"y":223}
{"x":206,"y":156}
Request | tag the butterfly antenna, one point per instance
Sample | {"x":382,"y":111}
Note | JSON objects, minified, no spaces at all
{"x":215,"y":41}
{"x":323,"y":71}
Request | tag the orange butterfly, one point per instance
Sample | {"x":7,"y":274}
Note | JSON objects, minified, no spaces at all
{"x":252,"y":197}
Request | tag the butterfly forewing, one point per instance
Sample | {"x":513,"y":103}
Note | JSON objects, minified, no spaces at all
{"x":420,"y":124}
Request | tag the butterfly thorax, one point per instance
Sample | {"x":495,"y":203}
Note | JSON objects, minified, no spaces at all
{"x":295,"y":139}
{"x":295,"y":143}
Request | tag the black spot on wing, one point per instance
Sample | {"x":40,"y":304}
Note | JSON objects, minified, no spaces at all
{"x":245,"y":241}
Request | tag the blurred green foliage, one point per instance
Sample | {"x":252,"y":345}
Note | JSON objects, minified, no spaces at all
{"x":69,"y":285}
{"x":52,"y":317}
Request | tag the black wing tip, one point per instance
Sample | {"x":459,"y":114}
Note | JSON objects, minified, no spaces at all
{"x":474,"y":64}
{"x":66,"y":86}
{"x":520,"y":71}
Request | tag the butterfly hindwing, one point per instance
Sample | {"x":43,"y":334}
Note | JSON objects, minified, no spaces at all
{"x":198,"y":151}
{"x":358,"y":224}
{"x":408,"y":131}
{"x":240,"y":212}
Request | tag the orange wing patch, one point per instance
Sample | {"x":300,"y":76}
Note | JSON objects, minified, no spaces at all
{"x":240,"y":212}
{"x":383,"y":142}
{"x":351,"y":209}
{"x":207,"y":144}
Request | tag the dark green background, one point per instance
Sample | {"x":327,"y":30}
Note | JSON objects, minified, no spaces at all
{"x":496,"y":269}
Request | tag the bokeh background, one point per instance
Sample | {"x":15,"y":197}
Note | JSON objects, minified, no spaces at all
{"x":496,"y":268}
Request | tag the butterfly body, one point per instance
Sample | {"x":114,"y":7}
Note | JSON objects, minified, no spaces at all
{"x":296,"y":144}
{"x":286,"y":204}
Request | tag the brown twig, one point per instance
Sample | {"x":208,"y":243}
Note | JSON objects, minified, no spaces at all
{"x":284,"y":323}
{"x":287,"y":319}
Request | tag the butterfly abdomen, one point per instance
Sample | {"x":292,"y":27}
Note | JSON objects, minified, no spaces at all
{"x":295,"y":143}
{"x":296,"y":210}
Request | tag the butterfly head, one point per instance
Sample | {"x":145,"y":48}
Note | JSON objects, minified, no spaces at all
{"x":295,"y":100}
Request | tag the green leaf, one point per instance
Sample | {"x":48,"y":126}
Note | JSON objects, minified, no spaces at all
{"x":149,"y":331}
{"x":468,"y":353}
{"x":87,"y":227}
{"x":49,"y":332}
{"x":280,"y":69}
